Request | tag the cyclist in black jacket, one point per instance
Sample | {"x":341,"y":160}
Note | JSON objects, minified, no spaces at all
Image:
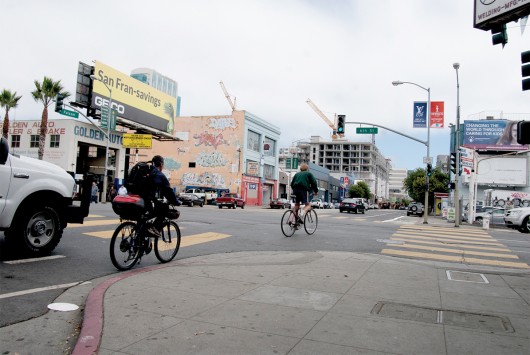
{"x":159,"y":188}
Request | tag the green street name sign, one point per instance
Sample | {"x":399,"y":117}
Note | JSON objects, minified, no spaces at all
{"x":69,"y":113}
{"x":366,"y":130}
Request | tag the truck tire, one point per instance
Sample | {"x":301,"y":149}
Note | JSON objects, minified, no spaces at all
{"x":37,"y":230}
{"x":525,"y":227}
{"x":243,"y":206}
{"x":234,"y":206}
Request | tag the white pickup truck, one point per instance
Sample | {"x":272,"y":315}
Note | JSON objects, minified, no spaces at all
{"x":36,"y":202}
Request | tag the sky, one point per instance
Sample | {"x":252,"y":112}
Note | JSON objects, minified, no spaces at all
{"x":273,"y":55}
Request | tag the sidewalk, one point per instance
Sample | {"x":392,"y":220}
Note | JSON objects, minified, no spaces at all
{"x":290,"y":303}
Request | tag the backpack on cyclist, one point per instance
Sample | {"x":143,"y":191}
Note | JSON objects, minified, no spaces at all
{"x":138,"y":181}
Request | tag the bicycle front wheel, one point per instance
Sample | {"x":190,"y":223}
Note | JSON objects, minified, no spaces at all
{"x":125,"y":246}
{"x":288,"y":223}
{"x":310,"y":222}
{"x":167,"y":246}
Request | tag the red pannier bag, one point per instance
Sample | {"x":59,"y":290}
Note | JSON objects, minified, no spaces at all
{"x":129,"y":206}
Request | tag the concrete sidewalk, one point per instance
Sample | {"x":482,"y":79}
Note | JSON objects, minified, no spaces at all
{"x":288,"y":303}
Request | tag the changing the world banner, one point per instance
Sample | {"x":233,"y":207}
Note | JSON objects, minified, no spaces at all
{"x":491,"y":135}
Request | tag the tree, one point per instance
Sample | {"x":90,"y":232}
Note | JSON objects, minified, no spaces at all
{"x":44,"y":93}
{"x":414,"y":183}
{"x":361,"y":189}
{"x":8,"y":100}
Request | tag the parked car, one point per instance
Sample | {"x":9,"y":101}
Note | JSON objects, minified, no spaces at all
{"x":191,"y":200}
{"x":518,"y":218}
{"x":230,"y":200}
{"x":415,"y":208}
{"x":352,"y":205}
{"x":317,"y":203}
{"x":402,"y":207}
{"x":495,"y":214}
{"x":280,"y":203}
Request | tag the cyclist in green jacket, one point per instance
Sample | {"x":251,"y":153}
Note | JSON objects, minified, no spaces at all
{"x":303,"y":182}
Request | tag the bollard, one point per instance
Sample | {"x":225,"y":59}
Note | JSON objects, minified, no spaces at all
{"x":486,"y":222}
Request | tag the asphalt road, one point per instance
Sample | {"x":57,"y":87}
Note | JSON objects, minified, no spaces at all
{"x":28,"y":286}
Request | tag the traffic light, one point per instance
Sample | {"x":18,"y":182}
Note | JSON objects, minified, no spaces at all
{"x":59,"y":103}
{"x":523,"y":132}
{"x":451,"y":185}
{"x":499,"y":35}
{"x":525,"y":70}
{"x":453,"y":163}
{"x":429,"y":169}
{"x":341,"y":124}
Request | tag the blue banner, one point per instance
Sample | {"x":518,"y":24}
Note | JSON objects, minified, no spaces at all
{"x":419,"y":119}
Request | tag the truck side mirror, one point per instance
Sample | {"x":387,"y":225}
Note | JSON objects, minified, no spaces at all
{"x":4,"y":150}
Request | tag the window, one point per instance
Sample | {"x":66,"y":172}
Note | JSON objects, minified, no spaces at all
{"x":54,"y":140}
{"x":92,"y":152}
{"x":272,"y":147}
{"x":253,"y":139}
{"x":15,"y":141}
{"x":34,"y":141}
{"x":268,"y":171}
{"x":191,"y":164}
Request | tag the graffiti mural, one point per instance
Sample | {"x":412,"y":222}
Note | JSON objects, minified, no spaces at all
{"x":222,"y":123}
{"x":211,"y":159}
{"x":171,"y":164}
{"x":209,"y":139}
{"x":205,"y":179}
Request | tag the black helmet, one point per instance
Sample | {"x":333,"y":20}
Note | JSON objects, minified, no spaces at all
{"x":157,"y":160}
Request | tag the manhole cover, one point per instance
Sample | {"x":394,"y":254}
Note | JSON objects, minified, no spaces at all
{"x":485,"y":322}
{"x":466,"y":277}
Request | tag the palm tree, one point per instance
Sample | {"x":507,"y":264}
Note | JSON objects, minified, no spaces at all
{"x":8,"y":100}
{"x":44,"y":93}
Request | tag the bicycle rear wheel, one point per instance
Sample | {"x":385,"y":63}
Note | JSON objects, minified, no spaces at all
{"x":288,"y":223}
{"x":310,"y":222}
{"x":125,"y":246}
{"x":167,"y":246}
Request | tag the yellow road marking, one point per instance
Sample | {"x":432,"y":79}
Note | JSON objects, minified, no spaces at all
{"x":452,"y":239}
{"x":103,"y":222}
{"x":460,"y":230}
{"x":469,"y":232}
{"x":436,"y":234}
{"x":101,"y":234}
{"x":456,"y":259}
{"x":202,"y":238}
{"x":455,"y":251}
{"x":94,"y":216}
{"x":451,"y":244}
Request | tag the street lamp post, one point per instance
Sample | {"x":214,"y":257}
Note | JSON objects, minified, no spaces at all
{"x":456,"y":66}
{"x":426,"y":211}
{"x":109,"y":118}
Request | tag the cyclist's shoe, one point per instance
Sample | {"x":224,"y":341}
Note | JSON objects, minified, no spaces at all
{"x":155,"y":232}
{"x":299,"y":220}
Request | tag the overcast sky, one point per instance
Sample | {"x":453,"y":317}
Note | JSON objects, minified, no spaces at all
{"x":273,"y":55}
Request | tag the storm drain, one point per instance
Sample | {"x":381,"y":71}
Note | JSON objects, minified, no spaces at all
{"x":466,"y":277}
{"x":485,"y":322}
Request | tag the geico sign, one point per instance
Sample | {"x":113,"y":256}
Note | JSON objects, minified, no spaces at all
{"x":101,"y":102}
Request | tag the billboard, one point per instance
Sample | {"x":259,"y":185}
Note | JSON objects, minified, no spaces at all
{"x":132,"y":99}
{"x":419,"y":119}
{"x":491,"y":135}
{"x":491,"y":12}
{"x":505,"y":171}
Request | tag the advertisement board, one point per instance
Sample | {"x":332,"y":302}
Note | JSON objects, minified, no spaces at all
{"x":131,"y":140}
{"x":132,"y":99}
{"x":499,"y":11}
{"x":491,"y":135}
{"x":502,"y":171}
{"x":420,"y":114}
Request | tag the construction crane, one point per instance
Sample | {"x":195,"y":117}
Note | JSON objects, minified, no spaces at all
{"x":333,"y":125}
{"x":230,"y":102}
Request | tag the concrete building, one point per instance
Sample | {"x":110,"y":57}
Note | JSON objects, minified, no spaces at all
{"x":237,"y":152}
{"x":396,"y":189}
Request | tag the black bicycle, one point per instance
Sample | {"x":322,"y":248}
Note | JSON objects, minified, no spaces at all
{"x":290,"y":223}
{"x":131,"y":240}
